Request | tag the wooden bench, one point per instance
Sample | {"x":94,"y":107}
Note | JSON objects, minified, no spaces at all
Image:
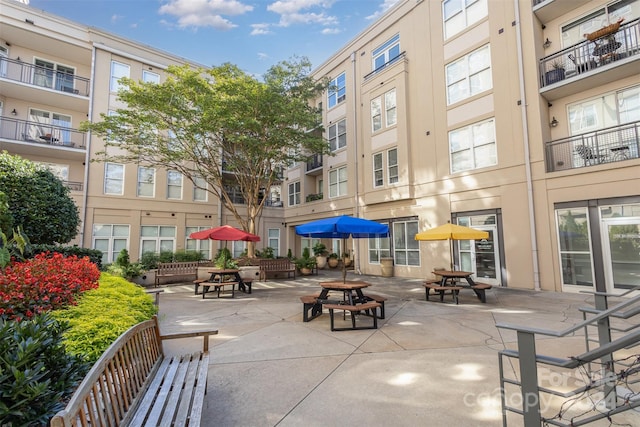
{"x":308,"y":303}
{"x":173,"y":269}
{"x":135,"y":384}
{"x":379,"y":299}
{"x":277,"y":265}
{"x":368,"y":306}
{"x":480,"y":288}
{"x":218,"y":287}
{"x":434,"y":285}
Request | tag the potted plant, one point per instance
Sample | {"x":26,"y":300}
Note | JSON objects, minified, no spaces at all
{"x":346,"y":258}
{"x":333,"y":260}
{"x":320,"y":252}
{"x":556,"y":73}
{"x":306,"y":263}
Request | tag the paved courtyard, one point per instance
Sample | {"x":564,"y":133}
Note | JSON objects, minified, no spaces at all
{"x":427,"y":364}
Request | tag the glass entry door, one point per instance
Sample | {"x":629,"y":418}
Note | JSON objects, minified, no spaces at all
{"x":481,"y":256}
{"x":621,"y":251}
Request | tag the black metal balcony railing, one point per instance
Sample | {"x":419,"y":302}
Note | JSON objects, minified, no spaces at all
{"x":315,"y":162}
{"x":314,"y":197}
{"x":385,"y":65}
{"x":16,"y":70}
{"x":41,"y":133}
{"x":608,"y":145}
{"x":588,"y":55}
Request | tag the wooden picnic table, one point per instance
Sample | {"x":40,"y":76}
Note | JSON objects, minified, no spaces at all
{"x":452,"y":279}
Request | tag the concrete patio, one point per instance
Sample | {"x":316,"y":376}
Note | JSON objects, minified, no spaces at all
{"x":427,"y":364}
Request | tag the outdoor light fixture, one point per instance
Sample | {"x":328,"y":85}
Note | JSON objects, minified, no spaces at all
{"x":547,"y":43}
{"x":554,"y":122}
{"x":14,"y":112}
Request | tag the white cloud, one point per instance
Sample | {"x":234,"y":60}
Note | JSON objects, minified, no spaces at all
{"x":262,"y":56}
{"x":331,"y":31}
{"x":115,"y":18}
{"x":294,"y":12}
{"x":260,"y":29}
{"x":204,"y":13}
{"x":386,"y":5}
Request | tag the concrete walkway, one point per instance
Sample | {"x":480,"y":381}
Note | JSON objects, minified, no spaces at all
{"x":427,"y":364}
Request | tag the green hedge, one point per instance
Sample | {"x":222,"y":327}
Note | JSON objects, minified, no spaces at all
{"x":103,"y":314}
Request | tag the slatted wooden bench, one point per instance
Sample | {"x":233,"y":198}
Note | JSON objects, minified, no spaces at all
{"x":176,"y":269}
{"x":135,"y":384}
{"x":434,"y":285}
{"x":379,"y":299}
{"x":308,"y":303}
{"x":480,"y":288}
{"x":218,"y":287}
{"x":368,"y":306}
{"x":277,"y":265}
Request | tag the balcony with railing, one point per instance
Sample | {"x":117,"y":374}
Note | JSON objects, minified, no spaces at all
{"x":613,"y":144}
{"x":39,"y":134}
{"x":314,"y":197}
{"x":22,"y":72}
{"x":314,"y":165}
{"x":548,"y":10}
{"x":593,"y":62}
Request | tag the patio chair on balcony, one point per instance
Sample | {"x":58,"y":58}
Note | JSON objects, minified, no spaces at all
{"x":587,"y":154}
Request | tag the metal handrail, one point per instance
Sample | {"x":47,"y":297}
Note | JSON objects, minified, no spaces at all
{"x":19,"y":71}
{"x":41,"y":133}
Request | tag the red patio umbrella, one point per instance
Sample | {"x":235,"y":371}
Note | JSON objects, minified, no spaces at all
{"x":224,"y":232}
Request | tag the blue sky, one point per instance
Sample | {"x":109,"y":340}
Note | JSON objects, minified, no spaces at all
{"x":253,"y":34}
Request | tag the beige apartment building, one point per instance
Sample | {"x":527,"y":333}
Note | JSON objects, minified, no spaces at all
{"x":55,"y":74}
{"x":497,"y":114}
{"x":510,"y":116}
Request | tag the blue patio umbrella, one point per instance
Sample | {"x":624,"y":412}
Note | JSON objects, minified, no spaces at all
{"x":343,"y":227}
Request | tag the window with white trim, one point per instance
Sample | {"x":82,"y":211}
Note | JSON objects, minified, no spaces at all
{"x":605,"y":110}
{"x":574,"y":32}
{"x":460,"y":14}
{"x":149,"y":77}
{"x":387,"y":52}
{"x":469,"y":75}
{"x":200,"y":245}
{"x":110,"y":239}
{"x":53,"y":76}
{"x":390,"y":107}
{"x":113,"y":179}
{"x":379,"y":247}
{"x":338,"y":182}
{"x":376,"y":114}
{"x":392,"y":165}
{"x":200,"y":192}
{"x":391,"y":168}
{"x":338,"y":135}
{"x":157,"y":238}
{"x":473,"y":146}
{"x":174,"y":185}
{"x":390,"y":117}
{"x":118,"y":71}
{"x":273,"y":240}
{"x":146,"y":182}
{"x":406,"y":250}
{"x":337,"y":92}
{"x":378,"y":170}
{"x":294,"y":193}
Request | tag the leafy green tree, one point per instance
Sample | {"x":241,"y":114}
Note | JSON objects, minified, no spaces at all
{"x":38,"y":201}
{"x":223,"y":129}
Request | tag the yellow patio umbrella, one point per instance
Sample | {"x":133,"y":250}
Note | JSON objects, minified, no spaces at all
{"x":452,"y":232}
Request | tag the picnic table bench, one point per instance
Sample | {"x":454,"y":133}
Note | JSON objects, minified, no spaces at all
{"x":277,"y":265}
{"x":174,"y":269}
{"x":135,"y":384}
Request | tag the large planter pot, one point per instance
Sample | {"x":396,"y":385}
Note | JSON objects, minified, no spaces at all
{"x":554,"y":76}
{"x":146,"y":279}
{"x":305,"y":271}
{"x":387,"y":267}
{"x":321,"y":261}
{"x":249,"y":272}
{"x":333,"y":262}
{"x":346,"y":261}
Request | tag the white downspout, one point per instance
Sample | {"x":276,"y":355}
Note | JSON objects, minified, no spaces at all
{"x":87,"y":155}
{"x":527,"y":159}
{"x":355,"y":152}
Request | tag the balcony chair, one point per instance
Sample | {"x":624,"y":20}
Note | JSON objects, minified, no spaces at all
{"x":587,"y":154}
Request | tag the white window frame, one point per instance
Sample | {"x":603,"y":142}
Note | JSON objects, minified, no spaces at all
{"x":337,"y":92}
{"x":464,"y":74}
{"x":174,"y":185}
{"x":146,"y":182}
{"x":112,"y":238}
{"x":466,"y":14}
{"x":118,"y":70}
{"x":338,"y":135}
{"x":54,"y":75}
{"x":273,"y":240}
{"x":473,"y":141}
{"x":163,"y":238}
{"x":379,"y":247}
{"x":338,"y":185}
{"x":114,"y":175}
{"x":390,"y":108}
{"x":378,"y":170}
{"x":294,"y":193}
{"x":200,"y":192}
{"x":376,"y":114}
{"x":384,"y":164}
{"x":392,"y":167}
{"x":200,"y":245}
{"x":386,"y":53}
{"x":150,"y":77}
{"x":403,"y":236}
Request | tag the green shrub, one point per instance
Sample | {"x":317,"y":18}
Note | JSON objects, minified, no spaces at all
{"x":165,"y":256}
{"x":185,"y":256}
{"x":267,"y":252}
{"x":124,"y":268}
{"x":103,"y":314}
{"x":149,"y":260}
{"x":36,"y":374}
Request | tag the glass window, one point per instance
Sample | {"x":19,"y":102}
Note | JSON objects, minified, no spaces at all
{"x":110,"y":239}
{"x":604,"y":111}
{"x":113,"y":178}
{"x":473,"y":146}
{"x":337,"y":90}
{"x":460,"y":14}
{"x":376,"y":114}
{"x":406,"y":249}
{"x":149,"y":77}
{"x":379,"y":247}
{"x":200,"y":189}
{"x":390,"y":107}
{"x":392,"y":164}
{"x":200,"y":245}
{"x":378,"y":178}
{"x":118,"y":70}
{"x":273,"y":240}
{"x":338,"y":182}
{"x":338,"y":135}
{"x":294,"y":193}
{"x":386,"y":53}
{"x":157,"y":238}
{"x":469,"y":75}
{"x":575,"y":249}
{"x":146,"y":181}
{"x":174,"y":185}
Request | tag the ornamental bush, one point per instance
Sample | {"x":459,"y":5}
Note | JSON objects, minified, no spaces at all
{"x":43,"y":283}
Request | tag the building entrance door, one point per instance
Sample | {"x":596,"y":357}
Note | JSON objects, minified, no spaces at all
{"x":621,"y":253}
{"x":481,"y":256}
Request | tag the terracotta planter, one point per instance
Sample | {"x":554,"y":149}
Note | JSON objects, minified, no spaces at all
{"x":333,"y":262}
{"x":347,"y":261}
{"x":305,"y":271}
{"x":321,"y":261}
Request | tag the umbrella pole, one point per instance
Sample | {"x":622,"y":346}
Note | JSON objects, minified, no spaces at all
{"x":451,"y":252}
{"x":344,"y":266}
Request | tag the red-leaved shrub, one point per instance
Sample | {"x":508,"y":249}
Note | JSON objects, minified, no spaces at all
{"x":43,"y":283}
